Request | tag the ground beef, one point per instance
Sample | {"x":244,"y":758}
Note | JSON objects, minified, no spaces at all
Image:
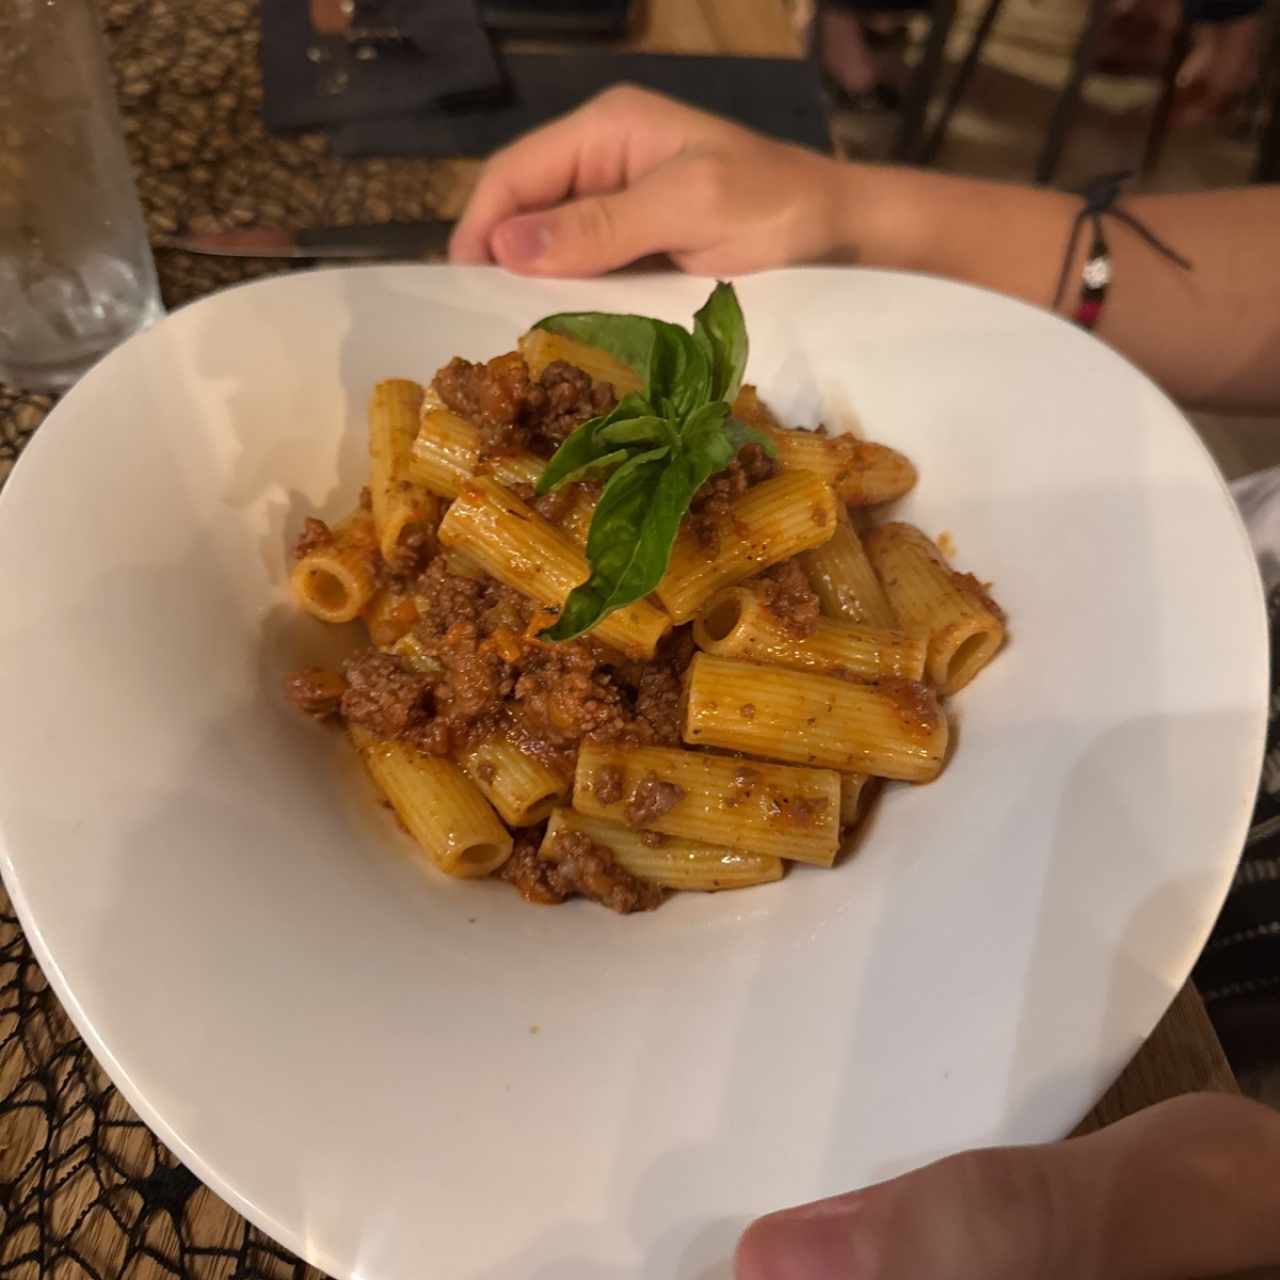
{"x":583,"y":867}
{"x":385,"y":696}
{"x":315,"y":534}
{"x":564,"y":399}
{"x":490,"y":395}
{"x":513,"y":411}
{"x":787,"y":595}
{"x":658,"y":700}
{"x":609,"y":784}
{"x":652,"y":839}
{"x":476,"y":666}
{"x":414,"y":545}
{"x":533,"y":876}
{"x":476,"y":677}
{"x":316,"y":692}
{"x":712,"y":503}
{"x":577,"y":866}
{"x":563,"y":694}
{"x":650,"y":798}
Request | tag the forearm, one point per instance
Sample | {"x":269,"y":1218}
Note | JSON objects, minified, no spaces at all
{"x":1210,"y":335}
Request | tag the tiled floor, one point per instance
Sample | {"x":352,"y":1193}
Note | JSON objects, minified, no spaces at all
{"x":998,"y":130}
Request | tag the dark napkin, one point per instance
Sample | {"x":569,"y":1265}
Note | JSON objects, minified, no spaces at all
{"x":311,"y":80}
{"x":778,"y":96}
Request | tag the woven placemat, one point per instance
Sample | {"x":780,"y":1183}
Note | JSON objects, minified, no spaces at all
{"x":85,"y":1188}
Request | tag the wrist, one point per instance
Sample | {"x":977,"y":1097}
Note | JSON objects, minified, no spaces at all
{"x":875,"y":220}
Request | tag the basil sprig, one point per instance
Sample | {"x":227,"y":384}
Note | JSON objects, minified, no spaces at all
{"x":657,"y":448}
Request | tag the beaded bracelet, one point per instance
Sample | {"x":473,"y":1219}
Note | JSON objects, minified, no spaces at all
{"x":1100,"y":197}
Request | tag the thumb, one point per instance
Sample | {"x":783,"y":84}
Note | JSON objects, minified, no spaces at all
{"x":592,"y":235}
{"x":1185,"y":1189}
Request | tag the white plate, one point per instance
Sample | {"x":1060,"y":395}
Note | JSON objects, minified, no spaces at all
{"x":397,"y":1075}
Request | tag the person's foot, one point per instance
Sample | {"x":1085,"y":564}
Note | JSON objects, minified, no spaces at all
{"x":1219,"y":72}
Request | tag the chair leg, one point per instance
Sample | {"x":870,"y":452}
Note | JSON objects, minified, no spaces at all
{"x":923,"y":81}
{"x":1158,"y":131}
{"x":1069,"y":98}
{"x":960,"y":81}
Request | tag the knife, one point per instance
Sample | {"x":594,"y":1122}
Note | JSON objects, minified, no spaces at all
{"x":370,"y":240}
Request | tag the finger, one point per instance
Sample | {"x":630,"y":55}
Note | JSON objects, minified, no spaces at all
{"x":591,"y":150}
{"x":598,"y":233}
{"x":1183,"y":1189}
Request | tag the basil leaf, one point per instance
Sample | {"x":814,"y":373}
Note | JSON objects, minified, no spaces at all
{"x":629,"y":338}
{"x":584,"y":446}
{"x":704,"y":440}
{"x":651,"y":431}
{"x":598,"y":465}
{"x":721,"y":332}
{"x":614,"y":542}
{"x":739,"y":434}
{"x":679,"y":372}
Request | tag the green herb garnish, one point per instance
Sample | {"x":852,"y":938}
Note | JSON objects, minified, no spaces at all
{"x":658,"y":448}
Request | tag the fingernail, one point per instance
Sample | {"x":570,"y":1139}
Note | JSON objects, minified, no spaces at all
{"x":819,"y":1242}
{"x":521,"y":239}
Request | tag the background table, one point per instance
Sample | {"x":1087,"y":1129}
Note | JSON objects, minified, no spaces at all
{"x":85,"y":1189}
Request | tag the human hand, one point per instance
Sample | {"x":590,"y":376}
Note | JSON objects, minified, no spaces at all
{"x":631,"y":173}
{"x":1186,"y":1189}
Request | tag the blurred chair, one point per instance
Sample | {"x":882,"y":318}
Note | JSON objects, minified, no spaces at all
{"x":910,"y":142}
{"x":1266,"y":164}
{"x":1064,"y":109}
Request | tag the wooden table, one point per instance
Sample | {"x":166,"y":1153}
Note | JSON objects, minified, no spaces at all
{"x":78,"y":1171}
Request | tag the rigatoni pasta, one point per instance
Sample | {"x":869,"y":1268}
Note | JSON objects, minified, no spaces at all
{"x":541,"y":348}
{"x":405,"y":512}
{"x":446,"y":454}
{"x":860,"y":471}
{"x":748,"y":804}
{"x":965,"y":626}
{"x":599,"y":667}
{"x":439,"y":805}
{"x":844,"y":579}
{"x":894,"y":729}
{"x":510,"y":541}
{"x":672,"y":861}
{"x":735,"y":623}
{"x":522,"y":788}
{"x":769,"y":523}
{"x":336,"y":579}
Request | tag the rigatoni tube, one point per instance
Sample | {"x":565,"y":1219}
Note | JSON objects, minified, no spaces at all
{"x":446,"y":454}
{"x":745,"y":804}
{"x":736,"y":624}
{"x":965,"y":626}
{"x":768,"y":524}
{"x":860,"y":471}
{"x":541,"y":348}
{"x":521,"y":788}
{"x":336,"y":579}
{"x":672,"y":861}
{"x":513,"y":543}
{"x":405,"y":512}
{"x":441,"y":807}
{"x":843,"y":579}
{"x":894,"y":729}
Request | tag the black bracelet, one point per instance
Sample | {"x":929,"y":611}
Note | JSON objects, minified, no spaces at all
{"x":1100,"y":198}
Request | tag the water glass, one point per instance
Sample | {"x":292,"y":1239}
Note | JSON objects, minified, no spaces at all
{"x":76,"y":274}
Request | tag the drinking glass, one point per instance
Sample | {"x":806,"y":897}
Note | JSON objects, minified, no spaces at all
{"x":76,"y":274}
